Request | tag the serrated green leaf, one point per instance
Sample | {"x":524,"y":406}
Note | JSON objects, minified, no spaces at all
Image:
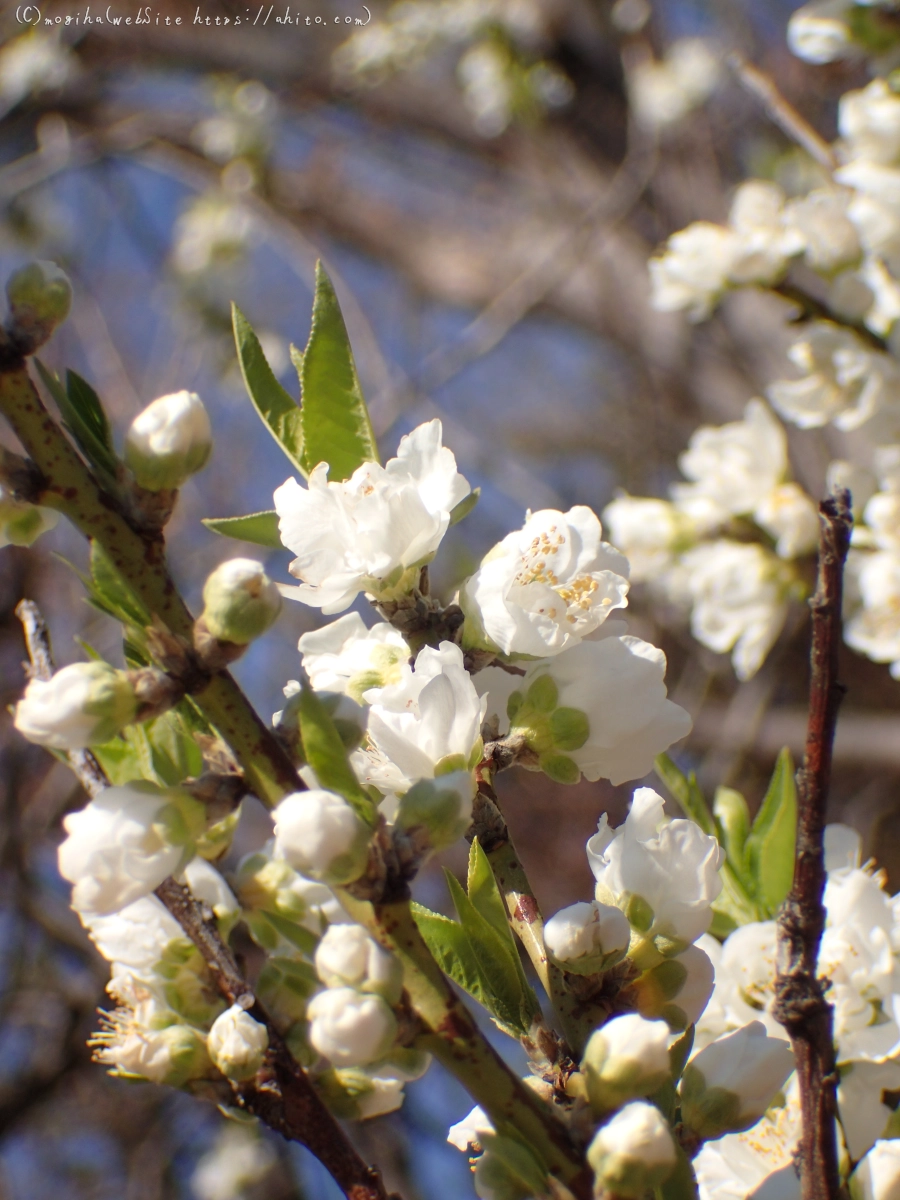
{"x":772,"y":840}
{"x":484,"y":893}
{"x":450,"y":949}
{"x":327,"y":755}
{"x":465,"y":506}
{"x":296,"y":358}
{"x":279,"y":411}
{"x":260,"y":528}
{"x":334,"y":418}
{"x":686,"y":792}
{"x":83,"y":416}
{"x":508,"y":996}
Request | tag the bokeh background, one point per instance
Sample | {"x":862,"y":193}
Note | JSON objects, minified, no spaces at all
{"x":485,"y":180}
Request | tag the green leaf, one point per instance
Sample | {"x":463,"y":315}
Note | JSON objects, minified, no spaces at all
{"x":681,"y":1184}
{"x":772,"y":840}
{"x":509,"y":998}
{"x":484,"y":893}
{"x":450,"y":949}
{"x":465,"y":506}
{"x":686,"y":791}
{"x":83,"y":416}
{"x":110,"y":592}
{"x":296,"y":358}
{"x":261,"y":528}
{"x":334,"y":418}
{"x":327,"y":755}
{"x":278,"y":409}
{"x":174,"y":754}
{"x":298,"y":935}
{"x":120,"y":760}
{"x":733,"y":906}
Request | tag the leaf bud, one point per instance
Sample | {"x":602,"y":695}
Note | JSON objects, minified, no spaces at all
{"x":351,"y":1028}
{"x":40,"y":296}
{"x":626,"y":1058}
{"x":320,"y":835}
{"x":237,"y":1043}
{"x":633,"y":1153}
{"x":240,"y":601}
{"x":82,"y":705}
{"x":169,"y":441}
{"x":729,"y":1085}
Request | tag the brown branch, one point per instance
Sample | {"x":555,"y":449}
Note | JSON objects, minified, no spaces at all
{"x":281,"y":1095}
{"x":800,"y":1003}
{"x":813,"y":309}
{"x":784,"y":115}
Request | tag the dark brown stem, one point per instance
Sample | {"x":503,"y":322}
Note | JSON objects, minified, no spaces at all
{"x":281,"y":1095}
{"x":800,"y":1003}
{"x":813,"y":309}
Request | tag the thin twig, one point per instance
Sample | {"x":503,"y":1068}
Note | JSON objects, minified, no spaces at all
{"x":800,"y":1003}
{"x":783,"y":113}
{"x":281,"y":1095}
{"x":812,"y":309}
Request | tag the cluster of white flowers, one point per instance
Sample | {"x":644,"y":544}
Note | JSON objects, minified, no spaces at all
{"x":724,"y":545}
{"x":663,"y":92}
{"x":860,"y":958}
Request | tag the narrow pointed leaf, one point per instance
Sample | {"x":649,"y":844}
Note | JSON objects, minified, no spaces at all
{"x":83,"y":416}
{"x":279,"y":411}
{"x":335,"y":420}
{"x":465,"y":506}
{"x":772,"y":840}
{"x":686,"y":791}
{"x":326,"y":754}
{"x":733,"y":826}
{"x":450,"y":949}
{"x":260,"y":528}
{"x":484,"y":893}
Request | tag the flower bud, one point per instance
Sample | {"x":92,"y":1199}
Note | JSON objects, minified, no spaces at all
{"x":627,"y":1058}
{"x":40,"y":296}
{"x":240,"y":601}
{"x":169,"y":441}
{"x":237,"y":1043}
{"x":284,"y":986}
{"x":349,"y":1027}
{"x":171,"y":1055}
{"x":320,"y":835}
{"x":507,"y":1170}
{"x":877,"y":1177}
{"x":587,"y":937}
{"x":81,"y":705}
{"x":442,"y":806}
{"x":733,"y":1080}
{"x":677,"y":989}
{"x":820,"y":32}
{"x":21,"y":524}
{"x":634,"y":1152}
{"x":347,"y":957}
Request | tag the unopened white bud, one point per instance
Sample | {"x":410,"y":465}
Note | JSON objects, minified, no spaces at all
{"x":240,"y":601}
{"x":877,"y":1177}
{"x":587,"y":937}
{"x":169,"y":441}
{"x":237,"y":1043}
{"x":347,"y":957}
{"x":40,"y":296}
{"x":733,"y":1080}
{"x":81,"y":705}
{"x":634,"y":1152}
{"x":627,"y":1058}
{"x":677,"y":989}
{"x":321,"y":836}
{"x":350,"y":1028}
{"x":443,"y":806}
{"x":820,"y":32}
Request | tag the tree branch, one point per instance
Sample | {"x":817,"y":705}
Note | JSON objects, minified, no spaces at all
{"x":282,"y":1095}
{"x":800,"y":1003}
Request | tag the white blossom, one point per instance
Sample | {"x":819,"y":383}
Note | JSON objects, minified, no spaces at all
{"x":135,"y":938}
{"x":81,"y":705}
{"x":347,"y":957}
{"x":427,"y":723}
{"x":587,"y":931}
{"x":875,"y":206}
{"x":732,"y":1081}
{"x":820,"y":32}
{"x":319,"y":834}
{"x":348,"y":658}
{"x":350,"y":1028}
{"x":142,"y":1039}
{"x":546,"y":586}
{"x":830,"y":240}
{"x":370,"y":531}
{"x":861,"y":1102}
{"x":648,"y":532}
{"x":671,"y":867}
{"x":739,"y":593}
{"x":791,"y":517}
{"x":238,"y":1159}
{"x":693,"y":270}
{"x":878,"y":1175}
{"x":611,"y":701}
{"x":237,"y":1043}
{"x":869,"y":121}
{"x":874,"y":628}
{"x":662,"y":93}
{"x":633,"y":1152}
{"x":169,"y":441}
{"x":119,"y":847}
{"x":758,"y":1163}
{"x":767,"y":240}
{"x":468,"y":1131}
{"x":626,"y":1058}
